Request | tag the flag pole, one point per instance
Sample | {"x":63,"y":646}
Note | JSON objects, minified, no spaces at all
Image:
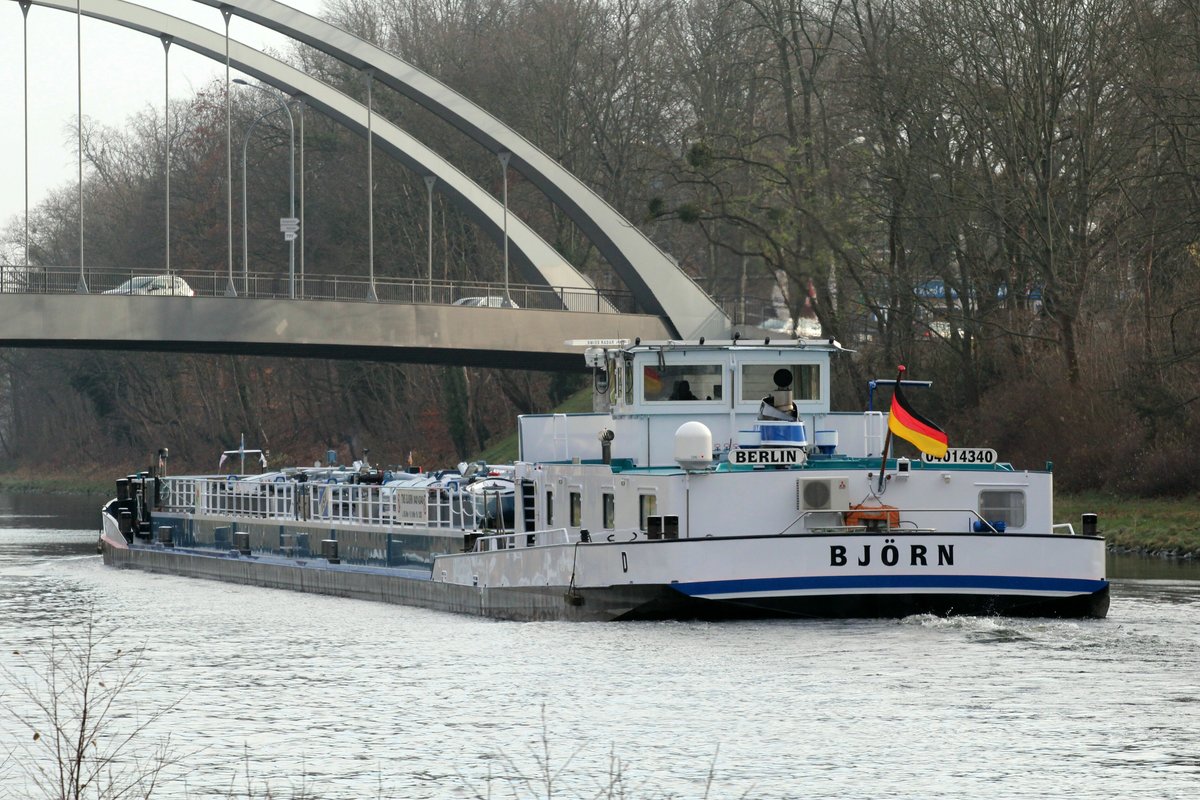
{"x":887,"y":440}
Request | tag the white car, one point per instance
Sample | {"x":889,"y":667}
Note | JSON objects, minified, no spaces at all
{"x":492,"y":301}
{"x":807,"y":329}
{"x":168,"y":285}
{"x":776,"y":325}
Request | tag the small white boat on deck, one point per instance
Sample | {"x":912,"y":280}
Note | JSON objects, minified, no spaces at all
{"x":751,"y":499}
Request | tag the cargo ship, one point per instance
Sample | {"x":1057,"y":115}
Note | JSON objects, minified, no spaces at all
{"x":712,"y":481}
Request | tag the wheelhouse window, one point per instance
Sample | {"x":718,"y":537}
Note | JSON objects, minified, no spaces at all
{"x":576,"y":509}
{"x":647,"y":507}
{"x":674,"y":382}
{"x":610,"y":510}
{"x":549,"y":508}
{"x":759,"y":380}
{"x":1003,"y":506}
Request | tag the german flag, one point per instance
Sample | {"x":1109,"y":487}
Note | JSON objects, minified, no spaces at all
{"x":911,"y":426}
{"x":652,"y":384}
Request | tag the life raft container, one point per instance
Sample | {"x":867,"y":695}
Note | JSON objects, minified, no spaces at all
{"x":873,"y":517}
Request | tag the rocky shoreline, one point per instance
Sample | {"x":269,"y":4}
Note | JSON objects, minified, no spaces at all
{"x":1165,"y":554}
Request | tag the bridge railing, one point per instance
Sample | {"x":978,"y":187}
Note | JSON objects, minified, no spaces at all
{"x":345,"y":288}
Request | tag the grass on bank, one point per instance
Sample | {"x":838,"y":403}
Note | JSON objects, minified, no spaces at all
{"x":97,"y":482}
{"x":1158,"y":525}
{"x":505,"y":449}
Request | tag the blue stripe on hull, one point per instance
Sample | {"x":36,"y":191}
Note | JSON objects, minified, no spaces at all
{"x":927,"y":583}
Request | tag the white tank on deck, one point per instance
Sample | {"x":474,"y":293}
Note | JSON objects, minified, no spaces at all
{"x":693,"y":445}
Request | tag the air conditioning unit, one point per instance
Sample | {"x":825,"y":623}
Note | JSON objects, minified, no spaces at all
{"x":823,"y":494}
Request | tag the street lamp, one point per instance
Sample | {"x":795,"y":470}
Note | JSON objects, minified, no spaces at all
{"x":289,"y":235}
{"x":25,"y":4}
{"x":504,"y":159}
{"x":430,"y":181}
{"x":83,"y":287}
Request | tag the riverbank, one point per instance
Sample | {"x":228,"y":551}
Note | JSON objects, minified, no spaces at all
{"x":1164,"y":527}
{"x":97,"y":482}
{"x":1158,"y":527}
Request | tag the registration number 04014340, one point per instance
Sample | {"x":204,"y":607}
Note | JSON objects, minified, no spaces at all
{"x":963,"y":455}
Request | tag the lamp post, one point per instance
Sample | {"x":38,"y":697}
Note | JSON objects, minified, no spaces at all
{"x":371,"y":294}
{"x":300,"y":109}
{"x":166,"y":43}
{"x":230,"y":291}
{"x":291,"y":236}
{"x":504,"y":158}
{"x":25,"y":4}
{"x":430,"y":181}
{"x":83,"y":287}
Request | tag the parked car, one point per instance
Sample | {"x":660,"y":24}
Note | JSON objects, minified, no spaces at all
{"x":492,"y":301}
{"x":168,"y":285}
{"x":941,"y":329}
{"x":807,"y":329}
{"x":778,"y":326}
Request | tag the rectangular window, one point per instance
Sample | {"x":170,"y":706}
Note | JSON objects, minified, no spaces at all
{"x":549,"y":508}
{"x":1003,"y":506}
{"x":610,"y":510}
{"x":576,"y":509}
{"x":675,"y":382}
{"x":647,"y":507}
{"x":759,"y":380}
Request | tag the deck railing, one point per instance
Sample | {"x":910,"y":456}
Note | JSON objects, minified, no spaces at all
{"x":442,"y":506}
{"x":512,"y":541}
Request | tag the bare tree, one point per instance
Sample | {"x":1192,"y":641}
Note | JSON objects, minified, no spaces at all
{"x":82,"y":739}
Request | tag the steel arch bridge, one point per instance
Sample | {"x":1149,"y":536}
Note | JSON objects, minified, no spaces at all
{"x":656,"y":281}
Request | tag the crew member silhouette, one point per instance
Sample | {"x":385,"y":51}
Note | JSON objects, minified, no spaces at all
{"x":683,"y":391}
{"x":778,"y":404}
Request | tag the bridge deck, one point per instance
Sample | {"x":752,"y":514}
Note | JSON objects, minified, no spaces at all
{"x":412,"y":333}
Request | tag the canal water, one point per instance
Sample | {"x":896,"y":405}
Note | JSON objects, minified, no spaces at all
{"x":268,"y":693}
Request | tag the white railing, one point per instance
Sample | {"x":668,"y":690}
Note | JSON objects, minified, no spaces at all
{"x":447,"y":506}
{"x":976,"y":522}
{"x":352,"y":503}
{"x":178,"y":494}
{"x":234,"y":497}
{"x":874,"y":426}
{"x":511,"y":541}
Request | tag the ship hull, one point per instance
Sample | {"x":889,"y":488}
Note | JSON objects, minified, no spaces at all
{"x":510,"y":591}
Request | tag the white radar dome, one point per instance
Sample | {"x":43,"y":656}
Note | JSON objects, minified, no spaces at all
{"x":693,"y":445}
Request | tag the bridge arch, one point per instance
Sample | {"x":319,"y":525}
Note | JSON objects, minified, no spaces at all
{"x":656,"y":280}
{"x":539,"y":260}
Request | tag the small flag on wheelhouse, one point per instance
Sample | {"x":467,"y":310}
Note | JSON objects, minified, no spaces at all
{"x":911,"y":426}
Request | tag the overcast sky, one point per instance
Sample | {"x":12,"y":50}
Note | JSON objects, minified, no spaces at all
{"x":122,"y":75}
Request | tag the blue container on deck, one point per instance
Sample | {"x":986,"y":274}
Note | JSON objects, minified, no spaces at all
{"x":782,"y":434}
{"x":982,"y":527}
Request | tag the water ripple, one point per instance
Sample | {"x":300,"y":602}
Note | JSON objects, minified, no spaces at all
{"x":346,"y":699}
